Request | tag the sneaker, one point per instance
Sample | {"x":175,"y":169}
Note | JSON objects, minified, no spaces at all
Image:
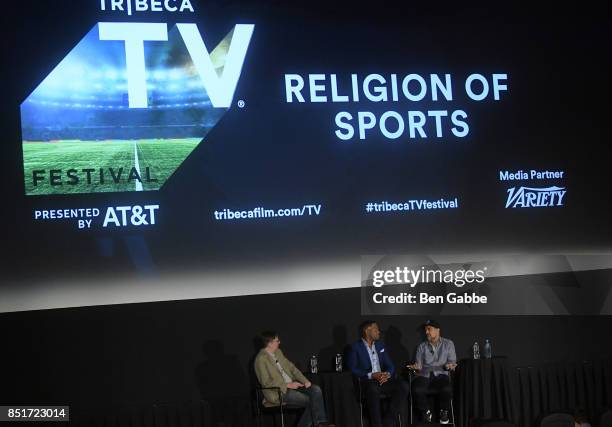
{"x":428,"y":416}
{"x":444,"y":417}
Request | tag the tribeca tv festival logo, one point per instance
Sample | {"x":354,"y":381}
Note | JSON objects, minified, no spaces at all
{"x":129,"y":102}
{"x":534,"y":196}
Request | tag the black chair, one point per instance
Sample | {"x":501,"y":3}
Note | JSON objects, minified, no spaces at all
{"x":262,"y":407}
{"x":558,"y":419}
{"x":383,"y":397}
{"x":411,"y":375}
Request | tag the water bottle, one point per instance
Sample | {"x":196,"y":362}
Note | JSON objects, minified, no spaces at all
{"x":487,"y":349}
{"x":476,"y":350}
{"x":314,"y":364}
{"x":338,"y":362}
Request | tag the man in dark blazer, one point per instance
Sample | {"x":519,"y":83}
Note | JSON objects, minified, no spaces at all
{"x":373,"y":369}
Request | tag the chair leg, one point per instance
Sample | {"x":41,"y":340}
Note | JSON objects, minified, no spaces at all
{"x":411,"y":402}
{"x":280,"y":398}
{"x":360,"y":403}
{"x":258,"y":412}
{"x":411,"y":412}
{"x":361,"y":413}
{"x":312,"y":420}
{"x":453,"y":411}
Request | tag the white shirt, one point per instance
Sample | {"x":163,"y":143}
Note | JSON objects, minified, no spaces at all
{"x":373,"y":358}
{"x":286,"y":376}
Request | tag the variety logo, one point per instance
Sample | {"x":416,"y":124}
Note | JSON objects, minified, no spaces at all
{"x":529,"y":197}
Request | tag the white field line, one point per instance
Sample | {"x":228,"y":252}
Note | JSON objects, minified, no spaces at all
{"x":137,"y":166}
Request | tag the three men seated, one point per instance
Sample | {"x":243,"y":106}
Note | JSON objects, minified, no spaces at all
{"x":374,"y":371}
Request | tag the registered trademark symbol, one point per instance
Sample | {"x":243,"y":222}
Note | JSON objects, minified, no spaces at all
{"x":241,"y":103}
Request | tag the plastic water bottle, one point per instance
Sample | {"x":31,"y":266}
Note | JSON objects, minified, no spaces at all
{"x":487,"y":349}
{"x":314,"y":364}
{"x":338,"y":362}
{"x":476,"y":350}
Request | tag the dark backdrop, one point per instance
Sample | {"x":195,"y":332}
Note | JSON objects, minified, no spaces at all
{"x":188,"y":350}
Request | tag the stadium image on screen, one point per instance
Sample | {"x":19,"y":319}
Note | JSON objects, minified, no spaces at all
{"x":81,"y":136}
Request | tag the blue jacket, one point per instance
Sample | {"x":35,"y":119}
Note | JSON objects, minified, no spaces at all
{"x":359,"y":363}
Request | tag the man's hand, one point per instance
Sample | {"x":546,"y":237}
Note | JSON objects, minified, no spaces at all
{"x":413,"y":366}
{"x":381,"y":377}
{"x":385,"y":377}
{"x":307,"y":384}
{"x":451,"y":366}
{"x":377,"y":376}
{"x":294,"y":385}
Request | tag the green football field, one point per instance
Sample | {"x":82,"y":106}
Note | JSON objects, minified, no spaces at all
{"x":161,"y":156}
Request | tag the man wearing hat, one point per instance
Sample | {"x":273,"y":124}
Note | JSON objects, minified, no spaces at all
{"x":435,"y":357}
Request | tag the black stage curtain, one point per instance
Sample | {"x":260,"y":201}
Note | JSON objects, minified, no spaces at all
{"x":564,"y":387}
{"x":340,"y":398}
{"x":483,"y":391}
{"x":179,"y":414}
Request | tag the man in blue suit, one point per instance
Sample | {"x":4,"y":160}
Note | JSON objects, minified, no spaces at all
{"x":373,"y":368}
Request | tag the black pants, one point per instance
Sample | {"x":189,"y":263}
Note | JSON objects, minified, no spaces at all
{"x":371,"y":392}
{"x":424,"y":386}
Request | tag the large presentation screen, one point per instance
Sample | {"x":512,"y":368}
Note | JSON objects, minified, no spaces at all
{"x":168,"y":136}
